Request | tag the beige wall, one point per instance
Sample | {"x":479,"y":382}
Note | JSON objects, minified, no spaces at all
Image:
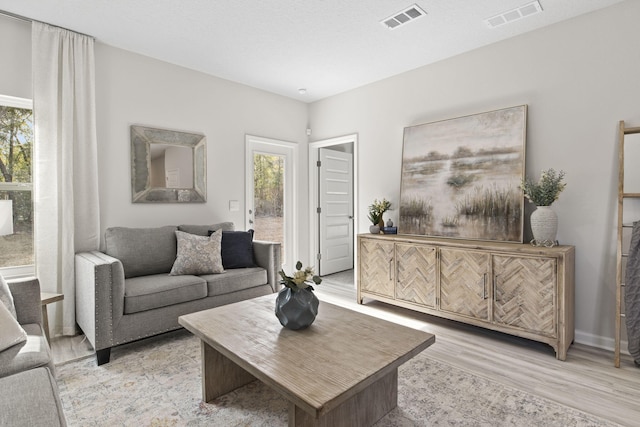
{"x":133,"y":89}
{"x":579,"y":78}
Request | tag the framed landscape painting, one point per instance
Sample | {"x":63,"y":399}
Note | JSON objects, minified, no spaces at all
{"x":461,"y":177}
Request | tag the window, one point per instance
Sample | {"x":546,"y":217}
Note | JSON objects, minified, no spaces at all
{"x":268,"y":196}
{"x":16,"y":189}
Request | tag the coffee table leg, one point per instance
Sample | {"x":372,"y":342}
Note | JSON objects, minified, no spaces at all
{"x":363,"y":409}
{"x":220,"y":375}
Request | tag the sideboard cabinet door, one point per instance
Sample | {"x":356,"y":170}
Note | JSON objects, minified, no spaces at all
{"x":416,"y":274}
{"x":524,"y":294}
{"x":464,"y":287}
{"x":377,"y":267}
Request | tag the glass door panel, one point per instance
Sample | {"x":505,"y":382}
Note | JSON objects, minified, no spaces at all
{"x":268,"y":198}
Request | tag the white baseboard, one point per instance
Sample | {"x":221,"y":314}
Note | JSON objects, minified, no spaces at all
{"x":598,"y":341}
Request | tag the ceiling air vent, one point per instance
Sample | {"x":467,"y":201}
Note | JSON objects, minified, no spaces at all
{"x":514,"y":14}
{"x":400,"y":18}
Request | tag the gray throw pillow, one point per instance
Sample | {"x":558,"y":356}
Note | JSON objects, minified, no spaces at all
{"x":198,"y":254}
{"x":6,"y":297}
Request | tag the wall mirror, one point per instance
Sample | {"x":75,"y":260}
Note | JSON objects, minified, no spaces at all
{"x":167,"y":166}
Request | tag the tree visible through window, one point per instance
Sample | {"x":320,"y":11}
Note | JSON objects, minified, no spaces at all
{"x":16,"y":205}
{"x":268,"y":191}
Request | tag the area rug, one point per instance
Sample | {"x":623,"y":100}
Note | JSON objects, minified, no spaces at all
{"x":157,"y":382}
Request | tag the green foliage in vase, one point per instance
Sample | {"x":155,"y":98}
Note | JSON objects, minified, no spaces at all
{"x":301,"y":279}
{"x":374,"y":217}
{"x":546,"y":190}
{"x":377,"y":209}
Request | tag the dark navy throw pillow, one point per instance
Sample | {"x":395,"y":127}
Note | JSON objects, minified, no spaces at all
{"x":237,"y":249}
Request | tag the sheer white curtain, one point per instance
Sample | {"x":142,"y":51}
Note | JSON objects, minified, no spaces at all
{"x":65,"y":168}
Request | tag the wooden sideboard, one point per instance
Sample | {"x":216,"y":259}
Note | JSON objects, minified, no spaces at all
{"x":513,"y":288}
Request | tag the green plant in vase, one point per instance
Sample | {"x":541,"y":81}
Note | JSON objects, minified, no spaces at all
{"x":546,"y":190}
{"x":374,"y":217}
{"x":296,"y":304}
{"x":301,"y":279}
{"x":377,"y":210}
{"x":544,"y":221}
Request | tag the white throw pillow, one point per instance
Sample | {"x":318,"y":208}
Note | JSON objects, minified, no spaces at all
{"x":11,"y":333}
{"x":198,"y":254}
{"x":6,"y":297}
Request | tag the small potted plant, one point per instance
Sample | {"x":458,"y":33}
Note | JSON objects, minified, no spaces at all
{"x":544,"y":221}
{"x":376,"y":210}
{"x":296,"y":304}
{"x":374,"y":217}
{"x":546,"y":190}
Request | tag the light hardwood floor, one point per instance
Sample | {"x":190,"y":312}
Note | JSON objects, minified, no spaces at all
{"x":587,"y":380}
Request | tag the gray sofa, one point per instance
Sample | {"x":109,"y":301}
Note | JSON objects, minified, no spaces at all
{"x":125,"y":293}
{"x":30,"y":393}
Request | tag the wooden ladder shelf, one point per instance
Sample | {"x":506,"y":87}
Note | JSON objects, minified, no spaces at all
{"x":621,"y":252}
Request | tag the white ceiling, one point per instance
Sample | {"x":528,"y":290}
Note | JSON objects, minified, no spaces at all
{"x":325,"y":46}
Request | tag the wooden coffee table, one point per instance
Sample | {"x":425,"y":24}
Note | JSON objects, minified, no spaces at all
{"x":341,"y":371}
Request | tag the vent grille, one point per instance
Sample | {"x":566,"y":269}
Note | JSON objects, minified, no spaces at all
{"x":514,"y":14}
{"x":403,"y":17}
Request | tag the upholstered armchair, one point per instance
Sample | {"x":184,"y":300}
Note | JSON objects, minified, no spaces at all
{"x":35,"y":352}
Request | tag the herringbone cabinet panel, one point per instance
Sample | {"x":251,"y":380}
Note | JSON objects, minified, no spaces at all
{"x":463,"y":282}
{"x":376,"y":267}
{"x":525,"y":293}
{"x":416,"y":274}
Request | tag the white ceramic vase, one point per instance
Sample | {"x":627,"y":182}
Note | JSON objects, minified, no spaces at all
{"x":544,"y":226}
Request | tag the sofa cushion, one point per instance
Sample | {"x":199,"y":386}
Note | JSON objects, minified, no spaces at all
{"x":203,"y":230}
{"x":235,"y":280}
{"x":142,"y":251}
{"x":31,"y":354}
{"x":198,"y":254}
{"x":11,"y":333}
{"x":31,"y":399}
{"x":6,"y":298}
{"x":160,"y":290}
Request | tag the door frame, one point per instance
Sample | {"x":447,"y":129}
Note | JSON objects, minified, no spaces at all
{"x":314,"y":185}
{"x":289,"y":150}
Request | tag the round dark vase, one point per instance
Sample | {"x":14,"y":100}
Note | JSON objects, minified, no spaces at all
{"x":296,"y":310}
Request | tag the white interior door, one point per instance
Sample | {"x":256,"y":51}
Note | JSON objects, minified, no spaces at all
{"x":270,"y":193}
{"x":336,"y":211}
{"x":173,"y":178}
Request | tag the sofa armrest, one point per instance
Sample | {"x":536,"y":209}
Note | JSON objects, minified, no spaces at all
{"x":99,"y":296}
{"x":26,"y":298}
{"x":267,"y":256}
